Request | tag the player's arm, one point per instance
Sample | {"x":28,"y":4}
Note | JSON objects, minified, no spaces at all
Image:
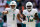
{"x":36,"y":16}
{"x":24,"y":17}
{"x":5,"y":12}
{"x":18,"y":17}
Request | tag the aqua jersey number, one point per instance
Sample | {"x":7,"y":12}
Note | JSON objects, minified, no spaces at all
{"x":13,"y":16}
{"x":29,"y":18}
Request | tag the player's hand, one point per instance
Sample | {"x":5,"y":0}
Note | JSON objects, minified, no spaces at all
{"x":24,"y":23}
{"x":4,"y":12}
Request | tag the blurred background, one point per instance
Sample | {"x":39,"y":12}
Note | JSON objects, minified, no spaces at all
{"x":21,"y":6}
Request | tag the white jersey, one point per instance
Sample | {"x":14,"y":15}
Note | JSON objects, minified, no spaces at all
{"x":31,"y":16}
{"x":11,"y":17}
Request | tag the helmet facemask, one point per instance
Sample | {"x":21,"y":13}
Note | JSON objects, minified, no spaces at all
{"x":13,"y":7}
{"x":29,"y":8}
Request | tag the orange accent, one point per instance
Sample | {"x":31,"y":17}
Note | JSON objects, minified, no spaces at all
{"x":22,"y":8}
{"x":7,"y":5}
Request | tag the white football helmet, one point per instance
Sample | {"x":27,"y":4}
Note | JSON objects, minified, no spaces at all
{"x":13,"y":3}
{"x":29,"y":4}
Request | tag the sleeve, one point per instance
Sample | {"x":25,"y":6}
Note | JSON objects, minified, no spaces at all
{"x":36,"y":11}
{"x":36,"y":15}
{"x":7,"y":9}
{"x":23,"y":12}
{"x":17,"y":10}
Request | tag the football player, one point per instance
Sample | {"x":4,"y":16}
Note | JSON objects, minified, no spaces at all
{"x":31,"y":15}
{"x":11,"y":14}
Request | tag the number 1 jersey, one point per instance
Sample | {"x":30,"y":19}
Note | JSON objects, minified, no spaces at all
{"x":12,"y":16}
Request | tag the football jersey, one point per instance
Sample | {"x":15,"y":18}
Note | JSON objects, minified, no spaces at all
{"x":29,"y":14}
{"x":12,"y":16}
